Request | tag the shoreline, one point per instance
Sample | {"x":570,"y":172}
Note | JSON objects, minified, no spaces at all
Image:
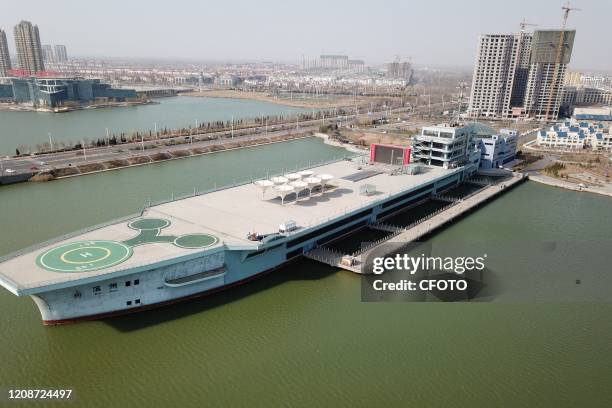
{"x":23,"y":108}
{"x":347,"y":146}
{"x":549,"y":181}
{"x":177,"y":158}
{"x":265,"y":97}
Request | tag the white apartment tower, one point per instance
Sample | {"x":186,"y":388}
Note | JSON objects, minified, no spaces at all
{"x":495,"y":70}
{"x":5,"y":58}
{"x":29,"y":50}
{"x":60,"y":53}
{"x":48,"y":55}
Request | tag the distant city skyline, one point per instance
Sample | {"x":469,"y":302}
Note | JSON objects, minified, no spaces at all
{"x":436,"y":33}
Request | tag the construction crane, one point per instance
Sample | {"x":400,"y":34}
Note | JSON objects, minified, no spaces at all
{"x":553,"y":96}
{"x":525,"y":24}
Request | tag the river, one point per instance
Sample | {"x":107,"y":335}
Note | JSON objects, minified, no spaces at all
{"x":300,"y":336}
{"x":32,"y":128}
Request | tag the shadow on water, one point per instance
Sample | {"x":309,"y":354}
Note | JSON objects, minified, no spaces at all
{"x":301,"y":269}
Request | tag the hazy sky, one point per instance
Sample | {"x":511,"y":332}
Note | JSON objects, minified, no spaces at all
{"x":431,"y":32}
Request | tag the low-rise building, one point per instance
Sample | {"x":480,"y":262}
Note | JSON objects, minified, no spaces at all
{"x":447,"y":145}
{"x":585,"y":95}
{"x":497,"y":150}
{"x":576,"y":135}
{"x":593,"y":113}
{"x":227,"y":81}
{"x":54,"y":92}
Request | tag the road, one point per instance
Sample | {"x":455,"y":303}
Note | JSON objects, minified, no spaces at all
{"x":48,"y":161}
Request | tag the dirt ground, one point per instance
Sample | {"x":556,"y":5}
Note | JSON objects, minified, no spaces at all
{"x":595,"y":173}
{"x":365,"y":138}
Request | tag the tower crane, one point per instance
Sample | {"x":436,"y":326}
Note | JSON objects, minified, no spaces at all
{"x":525,"y":24}
{"x":553,"y":95}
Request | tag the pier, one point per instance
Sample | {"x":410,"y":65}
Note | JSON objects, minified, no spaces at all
{"x":402,"y":235}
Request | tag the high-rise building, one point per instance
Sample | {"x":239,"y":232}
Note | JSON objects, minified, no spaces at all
{"x":498,"y":58}
{"x":29,"y":50}
{"x":334,"y":62}
{"x":548,"y":64}
{"x":47,"y":51}
{"x":399,"y":70}
{"x":356,"y":66}
{"x":5,"y":58}
{"x":60,"y":53}
{"x":517,"y":75}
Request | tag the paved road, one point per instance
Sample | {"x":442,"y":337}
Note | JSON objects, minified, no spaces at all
{"x":126,"y":151}
{"x":544,"y":162}
{"x":29,"y":164}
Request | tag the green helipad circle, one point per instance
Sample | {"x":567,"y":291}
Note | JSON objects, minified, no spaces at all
{"x":84,"y":256}
{"x":149,"y":224}
{"x":192,"y":241}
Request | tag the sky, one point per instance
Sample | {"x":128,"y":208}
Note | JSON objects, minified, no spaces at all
{"x":429,"y":32}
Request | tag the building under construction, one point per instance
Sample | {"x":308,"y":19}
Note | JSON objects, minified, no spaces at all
{"x":521,"y":75}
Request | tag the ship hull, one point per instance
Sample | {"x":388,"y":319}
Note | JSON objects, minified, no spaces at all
{"x":123,"y":312}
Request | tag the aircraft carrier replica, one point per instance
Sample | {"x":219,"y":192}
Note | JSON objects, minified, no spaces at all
{"x":206,"y":243}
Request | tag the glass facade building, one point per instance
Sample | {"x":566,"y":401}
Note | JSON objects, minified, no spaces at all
{"x":54,"y":92}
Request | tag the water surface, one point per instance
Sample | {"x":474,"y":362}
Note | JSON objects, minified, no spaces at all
{"x":301,"y":336}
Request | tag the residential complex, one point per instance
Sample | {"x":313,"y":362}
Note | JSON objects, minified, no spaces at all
{"x":585,"y":95}
{"x":61,"y":55}
{"x":399,"y":70}
{"x":338,"y":62}
{"x":48,"y":55}
{"x":520,"y":75}
{"x":574,"y":134}
{"x":29,"y":50}
{"x":5,"y":58}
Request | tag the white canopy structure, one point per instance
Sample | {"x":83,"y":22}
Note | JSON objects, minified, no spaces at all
{"x":325,"y":178}
{"x":293,"y":176}
{"x":306,"y":173}
{"x":312,"y":183}
{"x":264,"y":185}
{"x":279,"y":180}
{"x":283,"y":190}
{"x":299,"y":186}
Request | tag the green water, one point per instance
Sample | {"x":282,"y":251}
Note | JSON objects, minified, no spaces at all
{"x":301,"y":336}
{"x":32,"y":128}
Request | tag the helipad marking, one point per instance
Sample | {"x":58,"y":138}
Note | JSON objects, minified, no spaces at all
{"x":84,"y":256}
{"x":149,"y":224}
{"x":193,"y":241}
